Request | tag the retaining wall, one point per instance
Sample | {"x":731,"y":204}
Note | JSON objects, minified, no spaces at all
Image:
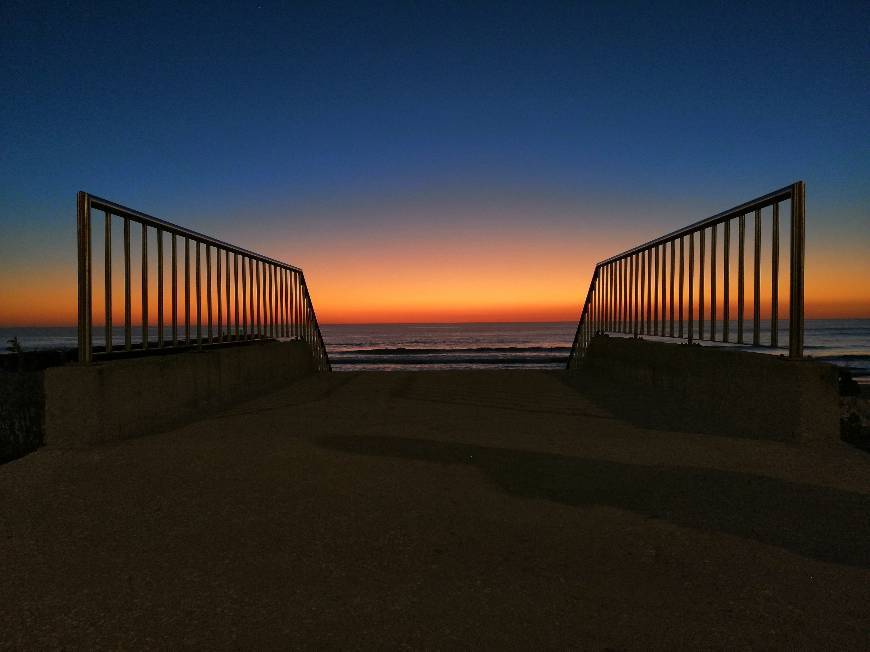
{"x":119,"y":399}
{"x":729,"y":392}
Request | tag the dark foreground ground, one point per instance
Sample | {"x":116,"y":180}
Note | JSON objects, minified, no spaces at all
{"x":438,"y":510}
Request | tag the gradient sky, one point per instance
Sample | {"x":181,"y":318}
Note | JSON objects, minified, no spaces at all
{"x":431,"y":161}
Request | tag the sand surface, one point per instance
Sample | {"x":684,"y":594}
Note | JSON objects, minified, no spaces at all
{"x":442,"y":510}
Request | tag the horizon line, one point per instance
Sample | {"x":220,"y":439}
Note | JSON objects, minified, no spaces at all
{"x":425,"y":323}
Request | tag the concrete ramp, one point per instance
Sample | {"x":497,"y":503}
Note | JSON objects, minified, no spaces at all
{"x":448,"y":509}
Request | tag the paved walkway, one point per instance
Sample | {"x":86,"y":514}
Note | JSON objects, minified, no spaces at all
{"x":439,"y":510}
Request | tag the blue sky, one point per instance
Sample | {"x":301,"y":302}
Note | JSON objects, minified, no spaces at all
{"x":251,"y":119}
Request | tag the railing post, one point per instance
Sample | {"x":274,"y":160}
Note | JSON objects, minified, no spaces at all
{"x":107,"y":272}
{"x":83,"y":222}
{"x":796,"y":295}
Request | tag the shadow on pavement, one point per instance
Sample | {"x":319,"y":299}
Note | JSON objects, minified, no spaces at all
{"x":817,"y":522}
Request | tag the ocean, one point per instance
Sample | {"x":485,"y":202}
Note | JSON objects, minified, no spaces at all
{"x":386,"y":347}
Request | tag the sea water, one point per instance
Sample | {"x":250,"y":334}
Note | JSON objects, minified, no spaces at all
{"x":537,"y":345}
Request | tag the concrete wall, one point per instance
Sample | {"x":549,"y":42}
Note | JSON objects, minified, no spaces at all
{"x":734,"y":393}
{"x":118,"y":399}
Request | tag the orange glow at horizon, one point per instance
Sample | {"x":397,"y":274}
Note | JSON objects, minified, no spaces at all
{"x":515,"y":274}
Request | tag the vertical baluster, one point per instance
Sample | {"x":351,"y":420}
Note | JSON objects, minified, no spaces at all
{"x":299,"y":305}
{"x":255,"y":291}
{"x":267,"y":299}
{"x":641,"y":274}
{"x":279,"y":303}
{"x":726,"y":272}
{"x":261,"y":299}
{"x":629,"y":265}
{"x":264,"y":297}
{"x":198,"y":273}
{"x":589,"y":318}
{"x":713,"y":282}
{"x":591,"y":300}
{"x":741,"y":245}
{"x":310,"y":307}
{"x":649,"y":285}
{"x":592,"y":304}
{"x":244,"y":299}
{"x":681,"y":281}
{"x":628,"y":271}
{"x":641,"y":302}
{"x":615,"y":282}
{"x":144,"y":286}
{"x":108,"y":279}
{"x":291,"y":303}
{"x":252,"y":277}
{"x":236,"y":290}
{"x":174,"y":291}
{"x":626,"y":322}
{"x":276,"y":303}
{"x":756,"y":306}
{"x":84,"y":277}
{"x":624,"y":290}
{"x":599,"y":291}
{"x":160,"y":288}
{"x":630,"y":295}
{"x":656,"y":297}
{"x":635,"y":295}
{"x":612,"y":292}
{"x":220,"y":297}
{"x":228,"y":291}
{"x":664,"y":282}
{"x":308,"y":321}
{"x":774,"y":279}
{"x":644,"y":300}
{"x":303,"y":321}
{"x":282,"y":321}
{"x":208,"y":289}
{"x":691,"y":307}
{"x":128,"y":317}
{"x":798,"y":253}
{"x":187,"y":291}
{"x":279,"y":274}
{"x":599,"y":299}
{"x":614,"y":296}
{"x":274,"y":295}
{"x":618,"y":296}
{"x":671,"y":294}
{"x":701,"y":250}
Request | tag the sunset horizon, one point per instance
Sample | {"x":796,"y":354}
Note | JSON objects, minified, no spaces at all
{"x":434,"y":325}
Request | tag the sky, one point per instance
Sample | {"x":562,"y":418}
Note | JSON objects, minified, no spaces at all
{"x":447,"y":161}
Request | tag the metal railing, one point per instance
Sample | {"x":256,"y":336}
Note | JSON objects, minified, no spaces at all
{"x":252,"y":296}
{"x":633,"y":293}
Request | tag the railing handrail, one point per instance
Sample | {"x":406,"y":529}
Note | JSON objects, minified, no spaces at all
{"x":124,"y":211}
{"x":281,"y":307}
{"x":753,"y":204}
{"x":620,"y":305}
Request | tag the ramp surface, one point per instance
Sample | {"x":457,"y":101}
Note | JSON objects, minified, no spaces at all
{"x":435,"y":509}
